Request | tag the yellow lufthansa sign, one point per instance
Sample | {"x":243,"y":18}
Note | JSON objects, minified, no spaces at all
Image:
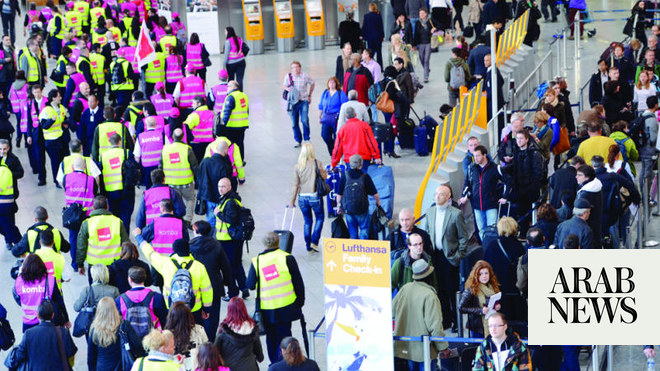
{"x":356,"y":262}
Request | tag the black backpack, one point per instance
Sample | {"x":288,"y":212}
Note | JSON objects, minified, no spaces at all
{"x":7,"y":338}
{"x":354,"y":200}
{"x":118,"y":77}
{"x":139,"y":314}
{"x":637,"y":131}
{"x":242,"y":231}
{"x":131,"y":171}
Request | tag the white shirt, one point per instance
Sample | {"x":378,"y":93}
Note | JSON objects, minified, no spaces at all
{"x":499,"y":356}
{"x":93,"y":171}
{"x":440,"y":213}
{"x":603,"y":79}
{"x":642,"y":94}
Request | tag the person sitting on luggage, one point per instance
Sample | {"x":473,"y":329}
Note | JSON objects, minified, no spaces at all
{"x":402,"y":267}
{"x":399,"y":236}
{"x":352,"y":197}
{"x":355,"y":137}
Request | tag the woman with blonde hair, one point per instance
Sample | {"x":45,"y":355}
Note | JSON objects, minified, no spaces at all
{"x":542,"y":133}
{"x":105,"y":339}
{"x":643,"y":89}
{"x":99,"y":286}
{"x":304,"y":188}
{"x":398,"y":48}
{"x":161,"y":353}
{"x":294,"y":359}
{"x":480,"y":285}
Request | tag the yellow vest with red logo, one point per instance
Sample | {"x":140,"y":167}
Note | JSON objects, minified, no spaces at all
{"x":239,"y":115}
{"x":175,"y":164}
{"x":112,"y":161}
{"x":274,"y":280}
{"x":104,"y":243}
{"x":156,"y":69}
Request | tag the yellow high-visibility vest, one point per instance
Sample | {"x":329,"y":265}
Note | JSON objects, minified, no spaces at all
{"x":104,"y":243}
{"x":275,"y":285}
{"x":176,"y":165}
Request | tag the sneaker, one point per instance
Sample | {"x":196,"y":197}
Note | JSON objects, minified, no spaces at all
{"x":313,"y":249}
{"x":426,"y":81}
{"x":57,"y":184}
{"x":298,"y":145}
{"x":226,"y":298}
{"x":245,"y":294}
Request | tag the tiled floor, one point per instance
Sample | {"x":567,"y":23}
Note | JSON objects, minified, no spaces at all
{"x":271,"y":157}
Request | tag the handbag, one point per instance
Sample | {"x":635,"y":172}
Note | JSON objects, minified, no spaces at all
{"x":245,"y":49}
{"x":60,"y":313}
{"x":322,"y":187}
{"x":469,"y":30}
{"x":329,"y":118}
{"x":200,"y":207}
{"x":257,"y":316}
{"x":127,"y":356}
{"x":285,"y":93}
{"x":563,"y":144}
{"x":384,"y":103}
{"x":86,"y":316}
{"x":339,"y":228}
{"x":7,"y":337}
{"x":207,"y":61}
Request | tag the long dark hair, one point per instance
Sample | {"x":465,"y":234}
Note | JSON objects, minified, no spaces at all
{"x":231,"y":34}
{"x":209,"y":358}
{"x":291,"y":351}
{"x":181,"y":322}
{"x":34,"y":269}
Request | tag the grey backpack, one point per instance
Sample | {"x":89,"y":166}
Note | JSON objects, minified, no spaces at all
{"x":457,"y":76}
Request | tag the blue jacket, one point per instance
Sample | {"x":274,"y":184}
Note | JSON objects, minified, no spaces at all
{"x":490,"y":13}
{"x":148,"y":232}
{"x":577,"y":227}
{"x":38,"y":348}
{"x":228,"y":107}
{"x":372,"y":27}
{"x":549,"y":229}
{"x":482,"y":186}
{"x":332,"y":104}
{"x":476,"y":59}
{"x":578,"y":4}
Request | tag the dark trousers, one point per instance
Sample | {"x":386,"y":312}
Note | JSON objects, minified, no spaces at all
{"x":328,"y":135}
{"x":571,"y":361}
{"x":8,"y":223}
{"x":100,"y":94}
{"x":73,"y":241}
{"x":377,"y":47}
{"x":169,"y":87}
{"x":39,"y":153}
{"x":201,"y":74}
{"x":234,"y":251}
{"x":275,"y":333}
{"x":547,"y":357}
{"x":121,"y":205}
{"x":56,"y":150}
{"x":211,"y":323}
{"x":235,"y":135}
{"x":198,"y":150}
{"x":448,"y":279}
{"x":545,"y":4}
{"x":55,"y":46}
{"x":8,"y":26}
{"x":146,"y":175}
{"x":571,"y":18}
{"x":122,"y":98}
{"x":236,"y":71}
{"x":149,"y":91}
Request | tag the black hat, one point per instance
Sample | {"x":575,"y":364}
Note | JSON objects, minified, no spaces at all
{"x":582,"y":203}
{"x":181,"y":247}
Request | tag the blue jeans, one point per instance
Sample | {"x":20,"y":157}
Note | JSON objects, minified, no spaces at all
{"x":419,"y":366}
{"x":484,"y":218}
{"x":307,"y":205}
{"x":361,"y":221}
{"x":413,"y":21}
{"x":300,"y":111}
{"x":571,"y":361}
{"x":210,"y":216}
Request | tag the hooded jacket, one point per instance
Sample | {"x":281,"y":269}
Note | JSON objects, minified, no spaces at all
{"x":526,"y":174}
{"x":592,"y":191}
{"x":612,"y":183}
{"x":240,"y":350}
{"x":517,"y":359}
{"x":208,"y":251}
{"x":482,"y":186}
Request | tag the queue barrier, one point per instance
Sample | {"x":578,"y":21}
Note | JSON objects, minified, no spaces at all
{"x":512,"y":38}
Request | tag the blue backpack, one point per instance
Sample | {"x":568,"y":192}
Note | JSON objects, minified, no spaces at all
{"x":623,"y":149}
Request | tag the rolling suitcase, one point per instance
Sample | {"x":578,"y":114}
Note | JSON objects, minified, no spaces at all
{"x":334,"y":176}
{"x":421,"y":141}
{"x":383,"y":179}
{"x":431,"y":125}
{"x":406,"y":134}
{"x":286,"y":236}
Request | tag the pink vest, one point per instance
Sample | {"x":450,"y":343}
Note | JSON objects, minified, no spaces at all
{"x":35,"y":114}
{"x":191,"y":87}
{"x":173,"y":68}
{"x":79,"y":187}
{"x":220,"y":94}
{"x":23,"y":124}
{"x":152,"y":198}
{"x":18,"y":98}
{"x":128,"y":52}
{"x":151,"y":146}
{"x":160,"y":123}
{"x":47,"y":13}
{"x":166,"y":231}
{"x":231,"y":158}
{"x":162,"y":105}
{"x":137,"y":296}
{"x":84,"y":102}
{"x":139,"y":5}
{"x":75,"y":54}
{"x":127,"y":6}
{"x":203,"y":132}
{"x":169,"y":136}
{"x":33,"y":16}
{"x":78,"y":78}
{"x":176,"y":26}
{"x":236,"y":51}
{"x":159,"y":33}
{"x":31,"y":294}
{"x":194,"y":56}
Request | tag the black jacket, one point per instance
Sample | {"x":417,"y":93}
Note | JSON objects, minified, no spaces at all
{"x":109,"y":358}
{"x":208,"y":251}
{"x":38,"y":347}
{"x":240,"y":352}
{"x":595,"y":89}
{"x":423,"y":32}
{"x":562,"y":180}
{"x":23,"y":245}
{"x":507,"y":148}
{"x":482,"y":186}
{"x":230,"y":213}
{"x":533,"y":28}
{"x":592,"y":191}
{"x":525,"y":175}
{"x":549,"y":228}
{"x":119,"y":273}
{"x":503,"y":267}
{"x":211,"y":170}
{"x":569,"y":119}
{"x":398,"y":240}
{"x":14,"y":164}
{"x":407,"y":31}
{"x":349,"y":32}
{"x":612,"y":182}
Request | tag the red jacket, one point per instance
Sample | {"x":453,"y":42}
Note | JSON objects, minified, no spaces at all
{"x":363,"y":80}
{"x":355,"y":137}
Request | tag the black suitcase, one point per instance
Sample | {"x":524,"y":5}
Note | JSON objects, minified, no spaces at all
{"x":382,"y":132}
{"x":286,"y":236}
{"x":406,"y":133}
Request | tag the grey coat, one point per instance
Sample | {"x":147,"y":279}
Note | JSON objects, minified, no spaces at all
{"x":100,"y":291}
{"x":454,"y":237}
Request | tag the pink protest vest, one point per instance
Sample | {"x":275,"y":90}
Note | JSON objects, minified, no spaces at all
{"x":151,"y":145}
{"x":159,"y":32}
{"x":127,"y":6}
{"x":160,"y":123}
{"x":136,"y":296}
{"x":79,"y":188}
{"x":33,"y":16}
{"x":75,"y":54}
{"x":18,"y":98}
{"x":84,"y":102}
{"x":236,"y":51}
{"x":128,"y":52}
{"x":152,"y":198}
{"x":31,"y":294}
{"x":23,"y":124}
{"x":194,"y":55}
{"x":203,"y":132}
{"x":173,"y":68}
{"x":169,"y":135}
{"x":47,"y":13}
{"x":191,"y":87}
{"x":139,"y":5}
{"x":35,"y":113}
{"x":176,"y":26}
{"x":78,"y":79}
{"x":166,"y":231}
{"x":220,"y":94}
{"x":162,"y":105}
{"x":231,"y":158}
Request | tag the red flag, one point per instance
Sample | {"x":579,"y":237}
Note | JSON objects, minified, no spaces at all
{"x":145,"y":52}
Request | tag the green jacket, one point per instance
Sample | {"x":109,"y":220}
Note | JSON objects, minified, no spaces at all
{"x":457,"y":61}
{"x":417,"y":312}
{"x":518,"y":358}
{"x":83,"y":237}
{"x":633,"y":154}
{"x":402,"y":269}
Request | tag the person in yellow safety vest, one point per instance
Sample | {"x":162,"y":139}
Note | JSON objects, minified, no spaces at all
{"x":167,"y":266}
{"x":59,"y":75}
{"x":76,"y":150}
{"x":281,"y":291}
{"x":161,"y":352}
{"x":134,"y":112}
{"x":121,"y":77}
{"x":179,"y":164}
{"x":53,"y":120}
{"x":169,"y":40}
{"x":103,"y":132}
{"x":110,"y":25}
{"x":235,"y":113}
{"x":128,"y":26}
{"x":154,"y":72}
{"x":10,"y":172}
{"x":74,"y":19}
{"x":100,"y":237}
{"x":31,"y":62}
{"x":121,"y":197}
{"x":56,"y":29}
{"x":84,"y":66}
{"x":234,"y":157}
{"x":82,"y":7}
{"x":95,"y":13}
{"x":54,"y":261}
{"x":97,"y":64}
{"x":30,"y":241}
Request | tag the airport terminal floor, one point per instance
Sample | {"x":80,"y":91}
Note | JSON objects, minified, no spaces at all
{"x":271,"y":156}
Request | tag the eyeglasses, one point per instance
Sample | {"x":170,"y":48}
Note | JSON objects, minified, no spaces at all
{"x":417,"y":244}
{"x":495,"y":326}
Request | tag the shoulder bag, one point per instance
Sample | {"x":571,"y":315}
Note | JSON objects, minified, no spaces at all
{"x":384,"y":103}
{"x":285,"y":93}
{"x":73,"y":215}
{"x":322,"y":187}
{"x":127,"y":356}
{"x":66,"y":364}
{"x":257,"y":316}
{"x":86,"y":316}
